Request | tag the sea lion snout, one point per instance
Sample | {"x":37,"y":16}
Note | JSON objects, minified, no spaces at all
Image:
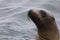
{"x":37,"y":12}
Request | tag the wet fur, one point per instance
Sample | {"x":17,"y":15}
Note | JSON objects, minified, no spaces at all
{"x":47,"y":28}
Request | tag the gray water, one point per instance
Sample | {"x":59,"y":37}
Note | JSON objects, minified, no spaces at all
{"x":14,"y":21}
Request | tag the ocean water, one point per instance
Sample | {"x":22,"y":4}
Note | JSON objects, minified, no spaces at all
{"x":14,"y":21}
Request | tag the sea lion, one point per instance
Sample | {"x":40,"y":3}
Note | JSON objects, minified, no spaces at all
{"x":46,"y":25}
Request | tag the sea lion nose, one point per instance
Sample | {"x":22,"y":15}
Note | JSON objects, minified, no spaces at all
{"x":43,"y":13}
{"x":30,"y":12}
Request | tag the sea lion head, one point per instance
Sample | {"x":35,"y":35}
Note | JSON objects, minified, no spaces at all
{"x":42,"y":18}
{"x":45,"y":23}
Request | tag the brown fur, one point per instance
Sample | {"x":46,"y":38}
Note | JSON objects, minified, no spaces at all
{"x":46,"y":25}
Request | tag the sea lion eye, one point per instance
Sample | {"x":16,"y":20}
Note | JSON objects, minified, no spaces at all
{"x":43,"y":13}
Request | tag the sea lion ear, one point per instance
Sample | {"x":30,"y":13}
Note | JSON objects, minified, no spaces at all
{"x":53,"y":18}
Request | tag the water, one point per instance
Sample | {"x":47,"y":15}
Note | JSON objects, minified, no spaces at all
{"x":14,"y":21}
